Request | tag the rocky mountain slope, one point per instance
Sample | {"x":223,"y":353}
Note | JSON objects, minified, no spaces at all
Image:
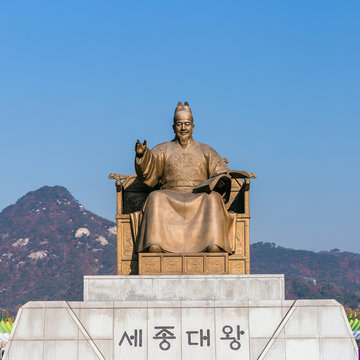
{"x":48,"y":241}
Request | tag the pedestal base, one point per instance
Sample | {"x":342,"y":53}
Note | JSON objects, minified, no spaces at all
{"x":221,"y":330}
{"x":208,"y":317}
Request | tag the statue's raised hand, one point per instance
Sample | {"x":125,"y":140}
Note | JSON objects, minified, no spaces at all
{"x":140,"y":148}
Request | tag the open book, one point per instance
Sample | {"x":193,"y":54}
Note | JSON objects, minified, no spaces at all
{"x":221,"y":181}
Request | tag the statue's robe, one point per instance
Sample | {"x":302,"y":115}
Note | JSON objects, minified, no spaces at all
{"x":175,"y":217}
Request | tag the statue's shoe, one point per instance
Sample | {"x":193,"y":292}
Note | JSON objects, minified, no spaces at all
{"x":155,"y":249}
{"x":213,"y":249}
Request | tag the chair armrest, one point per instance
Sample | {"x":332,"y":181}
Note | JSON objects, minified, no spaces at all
{"x":240,"y":195}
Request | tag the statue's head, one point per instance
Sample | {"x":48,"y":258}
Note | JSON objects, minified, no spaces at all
{"x":183,"y":121}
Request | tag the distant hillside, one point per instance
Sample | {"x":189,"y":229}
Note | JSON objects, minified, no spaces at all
{"x":311,"y":275}
{"x":48,"y":241}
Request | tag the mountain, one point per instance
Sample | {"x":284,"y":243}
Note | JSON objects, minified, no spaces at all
{"x":48,"y":241}
{"x":311,"y":275}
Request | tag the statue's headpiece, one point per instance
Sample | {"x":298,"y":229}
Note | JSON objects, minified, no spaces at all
{"x":183,"y":110}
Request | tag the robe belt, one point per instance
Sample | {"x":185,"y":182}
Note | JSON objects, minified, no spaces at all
{"x":181,"y":183}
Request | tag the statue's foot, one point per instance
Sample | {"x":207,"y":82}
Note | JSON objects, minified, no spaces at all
{"x":213,"y":249}
{"x":155,"y":249}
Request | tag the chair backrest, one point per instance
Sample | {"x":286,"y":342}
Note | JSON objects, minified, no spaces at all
{"x":134,"y":197}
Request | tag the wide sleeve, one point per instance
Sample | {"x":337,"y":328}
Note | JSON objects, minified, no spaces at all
{"x":149,"y":168}
{"x":218,"y":180}
{"x":216,"y":164}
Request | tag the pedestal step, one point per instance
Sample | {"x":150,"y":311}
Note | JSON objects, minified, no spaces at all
{"x":183,"y":287}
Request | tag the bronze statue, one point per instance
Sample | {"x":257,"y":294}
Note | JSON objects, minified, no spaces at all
{"x":187,"y":214}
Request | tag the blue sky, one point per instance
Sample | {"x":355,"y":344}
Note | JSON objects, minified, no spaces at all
{"x":274,"y":86}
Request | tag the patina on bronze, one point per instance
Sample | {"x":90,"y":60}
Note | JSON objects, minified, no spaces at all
{"x":187,"y":214}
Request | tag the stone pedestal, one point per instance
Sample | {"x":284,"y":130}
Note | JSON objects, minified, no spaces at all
{"x":183,"y":317}
{"x":184,"y":288}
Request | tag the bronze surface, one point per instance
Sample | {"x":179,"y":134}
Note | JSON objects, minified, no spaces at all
{"x":177,"y":218}
{"x":183,"y":264}
{"x":183,"y":201}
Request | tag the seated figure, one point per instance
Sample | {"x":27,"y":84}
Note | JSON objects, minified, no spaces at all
{"x":187,"y":214}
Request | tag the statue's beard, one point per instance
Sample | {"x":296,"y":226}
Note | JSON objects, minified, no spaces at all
{"x":184,"y":138}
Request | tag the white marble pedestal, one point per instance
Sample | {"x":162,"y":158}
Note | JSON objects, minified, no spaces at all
{"x":183,"y":317}
{"x":184,"y":287}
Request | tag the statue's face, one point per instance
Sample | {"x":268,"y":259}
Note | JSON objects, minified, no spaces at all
{"x":183,"y":127}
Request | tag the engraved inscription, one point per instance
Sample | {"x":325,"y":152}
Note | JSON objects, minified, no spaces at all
{"x":164,"y":334}
{"x":233,"y":336}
